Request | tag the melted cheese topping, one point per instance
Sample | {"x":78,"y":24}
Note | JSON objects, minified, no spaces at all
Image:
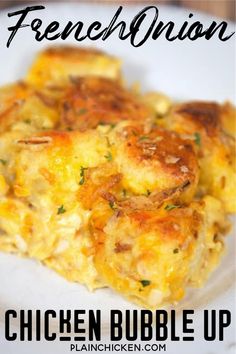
{"x":96,"y":186}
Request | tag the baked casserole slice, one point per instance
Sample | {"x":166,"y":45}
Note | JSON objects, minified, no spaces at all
{"x":110,"y":187}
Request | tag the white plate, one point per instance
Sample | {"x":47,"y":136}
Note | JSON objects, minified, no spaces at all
{"x":185,"y":70}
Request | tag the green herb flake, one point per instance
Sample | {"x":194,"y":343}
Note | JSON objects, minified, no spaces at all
{"x":27,"y":121}
{"x":169,"y":207}
{"x":176,"y":250}
{"x":108,"y":156}
{"x":112,"y":205}
{"x":61,"y":210}
{"x":124,"y":191}
{"x":108,"y":141}
{"x":197,"y":138}
{"x":81,"y":181}
{"x":3,"y":162}
{"x":82,"y":169}
{"x":144,"y":137}
{"x":145,"y":282}
{"x":148,"y":192}
{"x":81,"y":111}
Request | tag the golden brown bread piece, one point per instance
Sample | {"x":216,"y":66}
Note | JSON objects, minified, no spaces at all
{"x":205,"y":123}
{"x":152,"y":159}
{"x":91,"y":101}
{"x":24,"y":107}
{"x":150,"y":257}
{"x":56,"y":65}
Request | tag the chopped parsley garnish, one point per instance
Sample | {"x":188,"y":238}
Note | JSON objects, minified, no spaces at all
{"x":108,"y":141}
{"x":197,"y":138}
{"x":27,"y":121}
{"x":144,"y":137}
{"x":108,"y":156}
{"x":112,"y":125}
{"x":145,"y":282}
{"x":82,"y":111}
{"x":176,"y":250}
{"x":61,"y":210}
{"x":148,"y":192}
{"x":112,"y":205}
{"x":169,"y":207}
{"x":4,"y":162}
{"x":82,"y":169}
{"x":124,"y":191}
